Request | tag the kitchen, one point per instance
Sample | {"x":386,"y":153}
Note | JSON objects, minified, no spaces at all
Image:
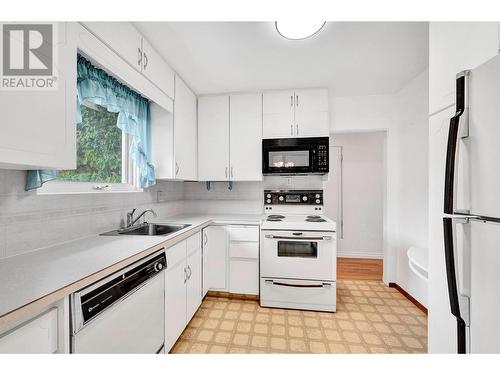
{"x":213,"y":196}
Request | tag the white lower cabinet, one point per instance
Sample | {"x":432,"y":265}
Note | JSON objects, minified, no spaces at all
{"x":231,"y":259}
{"x":215,"y":254}
{"x":244,"y":259}
{"x":182,"y":287}
{"x":45,"y":333}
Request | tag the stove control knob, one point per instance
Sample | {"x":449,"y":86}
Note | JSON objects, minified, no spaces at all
{"x":304,"y":198}
{"x":268,"y":195}
{"x":281,"y":198}
{"x":317,"y":195}
{"x":318,"y":201}
{"x":268,"y":201}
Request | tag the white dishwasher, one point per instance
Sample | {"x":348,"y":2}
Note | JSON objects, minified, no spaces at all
{"x":123,"y":313}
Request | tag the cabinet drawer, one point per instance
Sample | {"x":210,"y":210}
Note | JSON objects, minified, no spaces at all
{"x":244,"y":250}
{"x":244,"y":233}
{"x":39,"y":336}
{"x":176,"y":254}
{"x":244,"y":276}
{"x":193,"y":243}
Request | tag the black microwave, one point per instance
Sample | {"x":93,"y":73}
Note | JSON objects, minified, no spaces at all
{"x":295,"y":156}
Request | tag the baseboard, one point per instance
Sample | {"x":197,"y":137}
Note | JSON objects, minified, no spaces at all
{"x":212,"y":293}
{"x":407,"y":295}
{"x":359,"y":255}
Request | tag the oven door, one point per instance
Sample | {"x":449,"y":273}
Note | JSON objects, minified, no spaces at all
{"x":299,"y":255}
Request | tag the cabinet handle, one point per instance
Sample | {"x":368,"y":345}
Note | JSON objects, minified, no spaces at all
{"x":297,"y":129}
{"x":296,"y":100}
{"x":190,"y":272}
{"x":176,"y":168}
{"x":145,"y":60}
{"x":205,"y":239}
{"x":291,"y":100}
{"x":291,"y":129}
{"x":232,"y":174}
{"x":225,"y":172}
{"x":139,"y":59}
{"x":185,"y":275}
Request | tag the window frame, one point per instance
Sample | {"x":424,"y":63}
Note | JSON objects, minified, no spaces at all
{"x":129,"y":184}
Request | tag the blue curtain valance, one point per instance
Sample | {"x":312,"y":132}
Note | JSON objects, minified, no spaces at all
{"x":134,"y":118}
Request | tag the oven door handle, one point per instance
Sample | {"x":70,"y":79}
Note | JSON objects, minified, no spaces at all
{"x":325,"y":238}
{"x":279,"y":283}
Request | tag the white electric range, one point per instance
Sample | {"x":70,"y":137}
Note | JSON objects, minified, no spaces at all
{"x":298,"y":256}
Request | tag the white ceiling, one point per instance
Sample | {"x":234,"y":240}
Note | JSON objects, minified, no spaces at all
{"x":350,"y":58}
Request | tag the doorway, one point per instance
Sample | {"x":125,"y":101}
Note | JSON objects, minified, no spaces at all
{"x":354,"y":198}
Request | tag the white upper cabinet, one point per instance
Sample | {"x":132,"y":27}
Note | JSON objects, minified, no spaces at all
{"x":295,"y":113}
{"x":311,"y":113}
{"x":157,"y":70}
{"x":453,"y":47}
{"x":38,"y":127}
{"x":230,"y":137}
{"x":124,"y":39}
{"x":185,"y":137}
{"x":213,"y":138}
{"x":245,"y":137}
{"x":278,"y":114}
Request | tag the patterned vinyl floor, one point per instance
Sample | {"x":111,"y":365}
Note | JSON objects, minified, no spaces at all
{"x":370,"y":318}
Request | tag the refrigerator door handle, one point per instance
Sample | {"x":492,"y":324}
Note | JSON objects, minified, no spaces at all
{"x":456,"y":279}
{"x":454,"y":132}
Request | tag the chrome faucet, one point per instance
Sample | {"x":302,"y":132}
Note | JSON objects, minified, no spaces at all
{"x":130,"y":216}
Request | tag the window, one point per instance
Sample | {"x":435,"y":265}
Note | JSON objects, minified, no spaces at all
{"x":99,"y":148}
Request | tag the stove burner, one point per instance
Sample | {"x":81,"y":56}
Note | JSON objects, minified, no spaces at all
{"x":275,"y":217}
{"x":315,"y":219}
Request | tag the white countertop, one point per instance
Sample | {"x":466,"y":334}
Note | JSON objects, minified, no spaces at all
{"x":32,"y":276}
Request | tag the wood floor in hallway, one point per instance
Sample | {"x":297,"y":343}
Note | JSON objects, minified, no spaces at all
{"x":359,"y":269}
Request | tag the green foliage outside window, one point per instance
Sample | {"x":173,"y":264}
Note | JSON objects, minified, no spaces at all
{"x":99,"y":148}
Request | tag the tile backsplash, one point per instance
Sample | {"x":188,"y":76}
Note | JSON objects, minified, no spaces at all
{"x":29,"y":221}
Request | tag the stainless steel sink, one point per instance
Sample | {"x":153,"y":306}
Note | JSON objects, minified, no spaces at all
{"x":147,"y":229}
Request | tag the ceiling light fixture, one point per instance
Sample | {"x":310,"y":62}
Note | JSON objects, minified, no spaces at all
{"x":298,"y":30}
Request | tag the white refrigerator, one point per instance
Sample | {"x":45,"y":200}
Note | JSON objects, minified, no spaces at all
{"x":471,"y":211}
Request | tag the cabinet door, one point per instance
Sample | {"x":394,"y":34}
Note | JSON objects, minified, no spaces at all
{"x":184,"y":132}
{"x":278,"y":121}
{"x":38,"y":127}
{"x":194,"y":284}
{"x":246,"y":137}
{"x":311,"y":113}
{"x":216,"y":244}
{"x":453,"y":47}
{"x":175,"y":301}
{"x":156,"y":69}
{"x":213,"y":138}
{"x":121,"y":37}
{"x":38,"y":336}
{"x":205,"y":264}
{"x":244,"y":276}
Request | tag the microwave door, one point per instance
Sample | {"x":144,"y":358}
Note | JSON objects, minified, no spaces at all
{"x":289,"y":160}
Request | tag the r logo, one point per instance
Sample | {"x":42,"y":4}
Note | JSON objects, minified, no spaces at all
{"x":27,"y":49}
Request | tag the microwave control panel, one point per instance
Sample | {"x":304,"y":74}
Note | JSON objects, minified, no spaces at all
{"x":322,"y":158}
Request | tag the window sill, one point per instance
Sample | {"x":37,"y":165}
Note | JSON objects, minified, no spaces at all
{"x":67,"y":187}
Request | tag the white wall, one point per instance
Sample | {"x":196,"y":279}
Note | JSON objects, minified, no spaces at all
{"x":390,"y":113}
{"x":363,"y":175}
{"x":412,"y":204}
